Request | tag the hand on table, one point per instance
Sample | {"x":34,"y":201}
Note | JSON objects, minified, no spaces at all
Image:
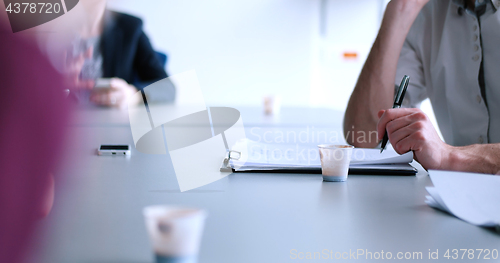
{"x":117,"y":95}
{"x":411,"y":130}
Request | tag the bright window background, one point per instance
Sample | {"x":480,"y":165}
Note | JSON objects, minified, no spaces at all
{"x":244,"y":50}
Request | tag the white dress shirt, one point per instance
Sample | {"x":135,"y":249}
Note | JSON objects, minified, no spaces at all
{"x":442,"y":55}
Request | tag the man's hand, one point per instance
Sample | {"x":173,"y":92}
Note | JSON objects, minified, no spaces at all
{"x":411,"y":130}
{"x":117,"y":95}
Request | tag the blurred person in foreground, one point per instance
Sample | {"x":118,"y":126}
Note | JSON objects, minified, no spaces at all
{"x":449,"y":48}
{"x":33,"y":116}
{"x":121,"y":51}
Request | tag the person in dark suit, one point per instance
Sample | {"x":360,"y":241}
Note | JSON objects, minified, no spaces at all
{"x":122,"y":52}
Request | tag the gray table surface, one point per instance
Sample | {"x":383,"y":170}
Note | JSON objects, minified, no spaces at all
{"x":97,"y":216}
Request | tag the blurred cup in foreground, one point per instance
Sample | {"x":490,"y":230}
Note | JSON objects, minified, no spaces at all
{"x":175,"y":232}
{"x":335,"y":160}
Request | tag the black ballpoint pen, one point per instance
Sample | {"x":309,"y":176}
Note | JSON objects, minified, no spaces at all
{"x":398,"y":100}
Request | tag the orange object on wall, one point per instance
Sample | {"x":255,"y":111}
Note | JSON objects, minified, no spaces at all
{"x":350,"y":55}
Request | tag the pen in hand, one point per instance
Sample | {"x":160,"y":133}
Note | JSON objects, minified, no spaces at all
{"x":398,"y":100}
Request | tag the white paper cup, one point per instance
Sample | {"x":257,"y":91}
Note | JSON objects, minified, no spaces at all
{"x":335,"y":160}
{"x":175,"y":232}
{"x":272,"y":105}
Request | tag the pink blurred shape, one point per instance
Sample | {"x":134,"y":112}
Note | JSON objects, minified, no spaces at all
{"x":33,"y":115}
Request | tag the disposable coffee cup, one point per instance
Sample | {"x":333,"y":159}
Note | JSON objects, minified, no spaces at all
{"x":175,"y":232}
{"x":335,"y":160}
{"x":272,"y":105}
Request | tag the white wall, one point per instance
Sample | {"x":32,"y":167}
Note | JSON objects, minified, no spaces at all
{"x":351,"y":26}
{"x":243,"y":50}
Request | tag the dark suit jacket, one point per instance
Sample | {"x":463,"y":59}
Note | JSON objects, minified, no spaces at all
{"x":128,"y":54}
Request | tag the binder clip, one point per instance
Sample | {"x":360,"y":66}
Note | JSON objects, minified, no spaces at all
{"x":226,"y":165}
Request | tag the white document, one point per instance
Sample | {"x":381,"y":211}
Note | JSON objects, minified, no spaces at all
{"x":434,"y":200}
{"x":262,"y":156}
{"x":474,"y":198}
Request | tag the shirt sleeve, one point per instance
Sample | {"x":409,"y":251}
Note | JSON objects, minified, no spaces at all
{"x":410,"y":64}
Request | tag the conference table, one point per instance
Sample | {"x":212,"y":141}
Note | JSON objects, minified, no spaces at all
{"x":252,"y":217}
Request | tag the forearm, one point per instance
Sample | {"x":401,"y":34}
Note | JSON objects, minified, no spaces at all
{"x":374,"y":90}
{"x":478,"y":158}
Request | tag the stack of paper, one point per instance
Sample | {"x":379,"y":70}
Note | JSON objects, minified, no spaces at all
{"x":261,"y":156}
{"x":474,"y":198}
